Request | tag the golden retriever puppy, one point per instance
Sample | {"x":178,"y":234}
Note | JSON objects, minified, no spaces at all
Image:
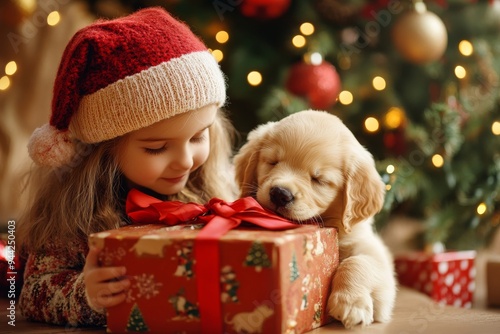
{"x":309,"y":167}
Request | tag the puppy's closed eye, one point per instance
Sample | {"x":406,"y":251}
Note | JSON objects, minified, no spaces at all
{"x":271,"y":156}
{"x":318,"y":181}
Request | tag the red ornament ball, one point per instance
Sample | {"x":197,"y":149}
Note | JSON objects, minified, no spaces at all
{"x":264,"y":9}
{"x":320,"y":84}
{"x":395,"y":142}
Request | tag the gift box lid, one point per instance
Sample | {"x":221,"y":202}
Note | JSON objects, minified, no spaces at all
{"x":159,"y":232}
{"x":437,"y":257}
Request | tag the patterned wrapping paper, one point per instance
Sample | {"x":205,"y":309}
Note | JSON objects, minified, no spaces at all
{"x":448,"y":278}
{"x":271,"y":282}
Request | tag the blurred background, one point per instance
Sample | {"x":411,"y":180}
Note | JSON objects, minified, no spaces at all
{"x":417,"y":83}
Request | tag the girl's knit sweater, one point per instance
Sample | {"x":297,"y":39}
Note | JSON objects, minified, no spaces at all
{"x":54,"y":291}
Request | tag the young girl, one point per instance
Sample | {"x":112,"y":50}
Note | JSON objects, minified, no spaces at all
{"x":136,"y":105}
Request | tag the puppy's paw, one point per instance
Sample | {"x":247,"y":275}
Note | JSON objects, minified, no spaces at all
{"x":351,"y":309}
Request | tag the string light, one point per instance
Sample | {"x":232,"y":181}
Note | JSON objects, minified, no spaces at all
{"x":460,"y":72}
{"x":388,"y":187}
{"x":371,"y":124}
{"x":53,"y":18}
{"x":390,"y":169}
{"x":437,"y":160}
{"x":4,"y":82}
{"x":345,"y":97}
{"x":254,"y":78}
{"x":306,"y":28}
{"x":218,"y":55}
{"x":481,"y":208}
{"x":314,"y":58}
{"x":420,"y":7}
{"x":379,"y":83}
{"x":27,"y":5}
{"x":299,"y":41}
{"x":11,"y":68}
{"x":222,"y":37}
{"x":465,"y":47}
{"x":495,"y":128}
{"x":394,"y":118}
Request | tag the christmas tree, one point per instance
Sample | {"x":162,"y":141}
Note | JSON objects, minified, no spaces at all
{"x":415,"y":81}
{"x":257,"y":256}
{"x":136,"y":322}
{"x":294,"y":270}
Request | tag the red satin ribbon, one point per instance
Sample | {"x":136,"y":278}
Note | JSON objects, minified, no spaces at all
{"x":219,"y":217}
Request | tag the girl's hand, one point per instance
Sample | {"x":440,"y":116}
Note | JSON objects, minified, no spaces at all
{"x":104,"y":286}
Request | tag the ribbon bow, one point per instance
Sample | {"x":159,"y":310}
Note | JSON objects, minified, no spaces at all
{"x":145,"y":209}
{"x":219,"y":217}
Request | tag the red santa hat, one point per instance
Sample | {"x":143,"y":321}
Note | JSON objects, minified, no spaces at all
{"x":122,"y":75}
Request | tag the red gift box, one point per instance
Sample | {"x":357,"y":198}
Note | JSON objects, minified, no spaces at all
{"x":270,"y":282}
{"x":448,"y":277}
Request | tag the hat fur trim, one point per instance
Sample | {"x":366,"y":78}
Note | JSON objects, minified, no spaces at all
{"x":186,"y":83}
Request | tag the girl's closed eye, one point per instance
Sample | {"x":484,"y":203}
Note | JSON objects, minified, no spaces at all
{"x":198,"y":139}
{"x":155,"y":151}
{"x":201,"y":136}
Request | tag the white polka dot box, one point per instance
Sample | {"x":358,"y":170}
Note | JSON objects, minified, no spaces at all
{"x":265,"y":282}
{"x":448,"y":277}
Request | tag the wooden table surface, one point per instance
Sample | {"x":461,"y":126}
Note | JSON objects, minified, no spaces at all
{"x":414,"y":313}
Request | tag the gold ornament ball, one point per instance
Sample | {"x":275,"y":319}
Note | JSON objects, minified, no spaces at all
{"x":420,"y":37}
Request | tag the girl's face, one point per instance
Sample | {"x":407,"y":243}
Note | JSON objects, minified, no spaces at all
{"x":161,"y":157}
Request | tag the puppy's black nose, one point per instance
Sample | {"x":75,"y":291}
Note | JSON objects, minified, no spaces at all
{"x":280,"y":196}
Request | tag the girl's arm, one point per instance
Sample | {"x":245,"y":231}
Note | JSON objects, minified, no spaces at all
{"x":54,"y":290}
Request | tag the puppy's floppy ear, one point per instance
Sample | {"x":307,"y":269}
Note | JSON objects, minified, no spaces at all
{"x":364,"y":189}
{"x":246,"y":160}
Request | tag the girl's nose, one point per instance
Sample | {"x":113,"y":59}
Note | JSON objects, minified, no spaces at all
{"x":183,"y":159}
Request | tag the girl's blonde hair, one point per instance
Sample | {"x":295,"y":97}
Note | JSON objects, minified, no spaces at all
{"x":88,"y":195}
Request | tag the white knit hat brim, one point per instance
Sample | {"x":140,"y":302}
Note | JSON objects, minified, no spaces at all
{"x":171,"y":88}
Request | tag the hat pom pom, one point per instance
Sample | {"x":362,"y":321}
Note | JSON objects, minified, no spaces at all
{"x":51,"y":147}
